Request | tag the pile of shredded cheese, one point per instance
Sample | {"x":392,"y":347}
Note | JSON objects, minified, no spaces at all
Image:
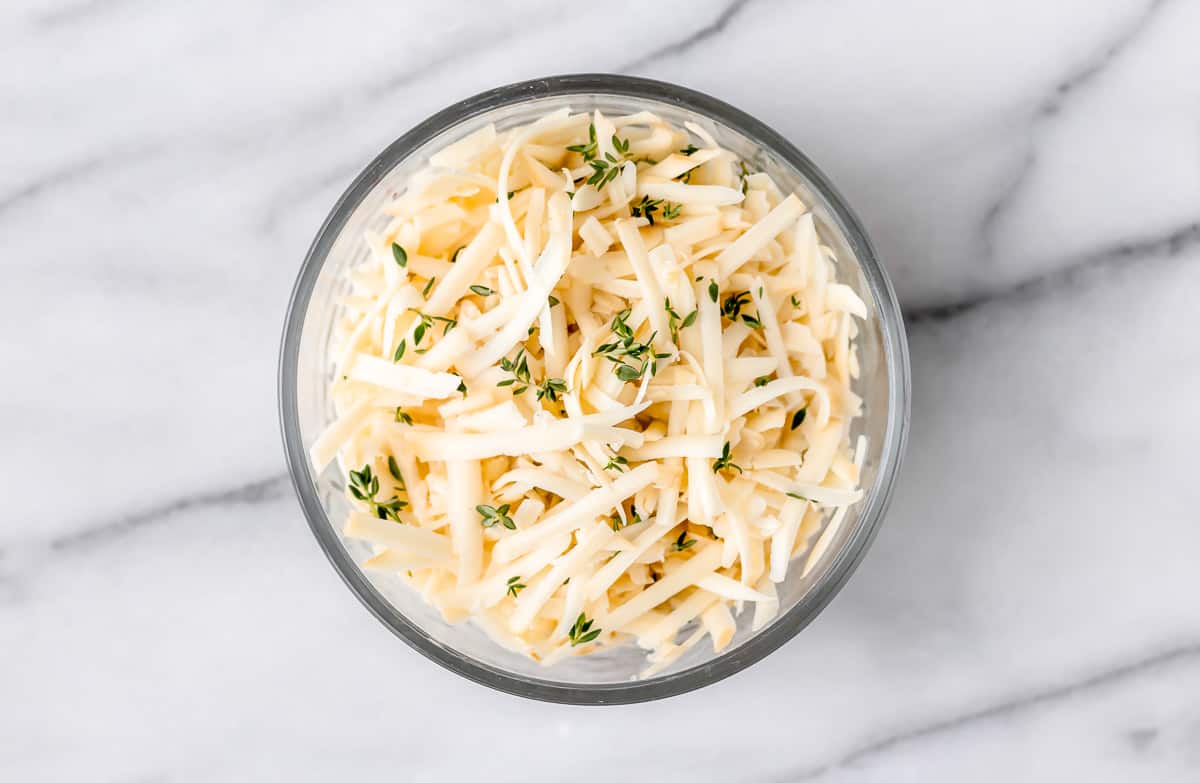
{"x":593,"y":387}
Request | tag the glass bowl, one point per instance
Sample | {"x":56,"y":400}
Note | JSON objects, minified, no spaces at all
{"x":304,"y":375}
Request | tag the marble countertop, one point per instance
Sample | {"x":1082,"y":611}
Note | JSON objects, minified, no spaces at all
{"x":1030,"y":173}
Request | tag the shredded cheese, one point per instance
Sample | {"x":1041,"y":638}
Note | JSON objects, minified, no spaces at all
{"x":592,"y":386}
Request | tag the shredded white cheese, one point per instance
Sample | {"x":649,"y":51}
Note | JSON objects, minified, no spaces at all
{"x":593,"y":386}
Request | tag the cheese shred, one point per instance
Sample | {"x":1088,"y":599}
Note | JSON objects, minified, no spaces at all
{"x":593,"y":387}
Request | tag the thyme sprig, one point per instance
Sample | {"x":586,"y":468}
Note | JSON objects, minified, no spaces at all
{"x":514,"y":586}
{"x":625,"y":347}
{"x":364,"y":486}
{"x":426,"y":325}
{"x":683,"y":542}
{"x":725,"y":461}
{"x":582,"y":632}
{"x":490,"y":516}
{"x":519,"y":367}
{"x":551,"y":388}
{"x":676,"y":322}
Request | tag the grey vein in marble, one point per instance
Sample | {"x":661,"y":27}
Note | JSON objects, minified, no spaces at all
{"x":250,"y":494}
{"x":1186,"y":654}
{"x":706,"y":32}
{"x":1052,"y":105}
{"x":1169,"y":244}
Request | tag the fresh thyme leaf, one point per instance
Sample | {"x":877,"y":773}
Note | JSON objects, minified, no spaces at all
{"x":676,"y":322}
{"x":582,"y":632}
{"x":751,"y":321}
{"x":731,"y":308}
{"x":646,"y":208}
{"x":620,"y":145}
{"x":482,"y":290}
{"x":394,"y":468}
{"x":713,"y":291}
{"x":514,"y":586}
{"x":492,"y":516}
{"x":683,"y":542}
{"x":689,"y":149}
{"x":626,"y":347}
{"x":795,"y":301}
{"x":400,"y":351}
{"x":618,"y":463}
{"x":588,"y":151}
{"x":428,"y":286}
{"x":797,"y":496}
{"x":462,"y":387}
{"x":454,"y":258}
{"x":627,"y":373}
{"x":551,"y":388}
{"x":762,"y":380}
{"x":671,"y":211}
{"x":400,"y":255}
{"x":519,"y":367}
{"x":798,"y":417}
{"x":725,"y":461}
{"x":419,"y":333}
{"x":364,"y":486}
{"x":554,"y":300}
{"x":403,"y":418}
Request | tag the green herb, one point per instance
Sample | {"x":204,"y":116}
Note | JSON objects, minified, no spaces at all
{"x":400,"y":255}
{"x":394,"y":468}
{"x":626,"y":347}
{"x":725,"y":461}
{"x":798,"y":417}
{"x":646,"y":208}
{"x":519,"y":367}
{"x":588,"y":151}
{"x":745,"y":173}
{"x":454,"y":258}
{"x":683,"y":542}
{"x":762,"y":380}
{"x":795,"y":301}
{"x":403,"y":418}
{"x":689,"y":149}
{"x":400,"y":351}
{"x":510,"y":195}
{"x":482,"y":290}
{"x":551,"y":388}
{"x":462,"y":388}
{"x":713,"y":291}
{"x":428,"y":287}
{"x":426,"y":324}
{"x":797,"y":497}
{"x":671,"y":211}
{"x":618,"y":463}
{"x":514,"y":586}
{"x":677,"y":322}
{"x":364,"y":486}
{"x":492,"y":516}
{"x":686,"y":176}
{"x":582,"y":632}
{"x":606,"y":169}
{"x":731,"y":308}
{"x":553,"y":300}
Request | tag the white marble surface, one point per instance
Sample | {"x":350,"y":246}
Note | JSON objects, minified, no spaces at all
{"x":1030,"y":172}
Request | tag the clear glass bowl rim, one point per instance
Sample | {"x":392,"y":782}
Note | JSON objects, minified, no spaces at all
{"x":875,"y":504}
